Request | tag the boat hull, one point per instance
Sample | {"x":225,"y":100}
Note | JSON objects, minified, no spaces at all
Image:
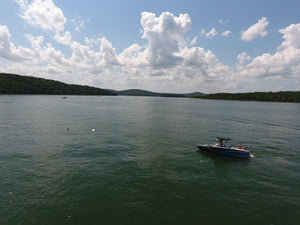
{"x":233,"y":152}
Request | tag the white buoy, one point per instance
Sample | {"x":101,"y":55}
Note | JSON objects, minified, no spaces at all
{"x":93,"y":130}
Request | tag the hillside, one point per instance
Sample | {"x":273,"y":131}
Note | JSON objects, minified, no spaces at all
{"x":139,"y":92}
{"x":282,"y":96}
{"x":16,"y":84}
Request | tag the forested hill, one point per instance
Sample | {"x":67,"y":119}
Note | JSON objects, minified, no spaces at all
{"x":139,"y":92}
{"x":16,"y":84}
{"x":282,"y":96}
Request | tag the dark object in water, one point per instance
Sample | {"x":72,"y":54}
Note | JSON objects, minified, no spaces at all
{"x":223,"y":148}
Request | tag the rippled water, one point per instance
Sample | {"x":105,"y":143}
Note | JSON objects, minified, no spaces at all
{"x":128,"y":160}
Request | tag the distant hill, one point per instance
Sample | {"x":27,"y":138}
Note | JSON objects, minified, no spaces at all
{"x":16,"y":84}
{"x":136,"y":92}
{"x":282,"y":96}
{"x":139,"y":92}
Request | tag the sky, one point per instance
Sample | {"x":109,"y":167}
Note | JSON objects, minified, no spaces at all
{"x":160,"y":45}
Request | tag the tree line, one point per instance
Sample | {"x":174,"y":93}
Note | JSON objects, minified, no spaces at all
{"x":282,"y":96}
{"x":17,"y":84}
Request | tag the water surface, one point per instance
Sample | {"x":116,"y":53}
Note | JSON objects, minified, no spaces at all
{"x":133,"y":160}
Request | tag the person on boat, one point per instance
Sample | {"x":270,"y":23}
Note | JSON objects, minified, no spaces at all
{"x":227,"y":145}
{"x":220,"y":142}
{"x":240,"y":146}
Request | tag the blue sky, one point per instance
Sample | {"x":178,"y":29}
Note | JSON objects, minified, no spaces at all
{"x":167,"y":46}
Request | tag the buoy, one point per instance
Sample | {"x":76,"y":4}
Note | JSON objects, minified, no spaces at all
{"x":93,"y":130}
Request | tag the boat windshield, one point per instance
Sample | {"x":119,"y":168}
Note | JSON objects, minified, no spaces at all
{"x":222,"y":142}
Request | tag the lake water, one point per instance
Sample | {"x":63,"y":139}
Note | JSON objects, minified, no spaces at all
{"x":133,"y":160}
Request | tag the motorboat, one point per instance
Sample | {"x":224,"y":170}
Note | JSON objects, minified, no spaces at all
{"x":223,"y":148}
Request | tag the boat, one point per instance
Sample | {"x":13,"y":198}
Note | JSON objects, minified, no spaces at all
{"x":223,"y":148}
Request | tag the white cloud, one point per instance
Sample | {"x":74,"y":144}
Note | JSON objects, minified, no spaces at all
{"x":78,"y":23}
{"x":165,"y":37}
{"x":285,"y":63}
{"x":35,"y":42}
{"x":201,"y":63}
{"x":243,"y":57}
{"x":211,"y":33}
{"x":171,"y":58}
{"x":168,"y":56}
{"x":255,"y":31}
{"x":132,"y":57}
{"x":92,"y":41}
{"x":83,"y":56}
{"x":9,"y":51}
{"x":202,"y":33}
{"x":65,"y":39}
{"x":167,"y":61}
{"x":44,"y":14}
{"x":54,"y":56}
{"x":226,"y":33}
{"x":193,"y":42}
{"x":109,"y":54}
{"x":223,"y":21}
{"x":291,"y":34}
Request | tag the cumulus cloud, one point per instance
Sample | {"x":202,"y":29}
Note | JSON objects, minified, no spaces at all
{"x":243,"y":57}
{"x":108,"y":53}
{"x":167,"y":61}
{"x":167,"y":55}
{"x":226,"y":33}
{"x":56,"y":57}
{"x":8,"y":50}
{"x":255,"y":31}
{"x":211,"y":33}
{"x":65,"y":39}
{"x":44,"y":14}
{"x":165,"y":37}
{"x":166,"y":58}
{"x":285,"y":63}
{"x":291,"y":36}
